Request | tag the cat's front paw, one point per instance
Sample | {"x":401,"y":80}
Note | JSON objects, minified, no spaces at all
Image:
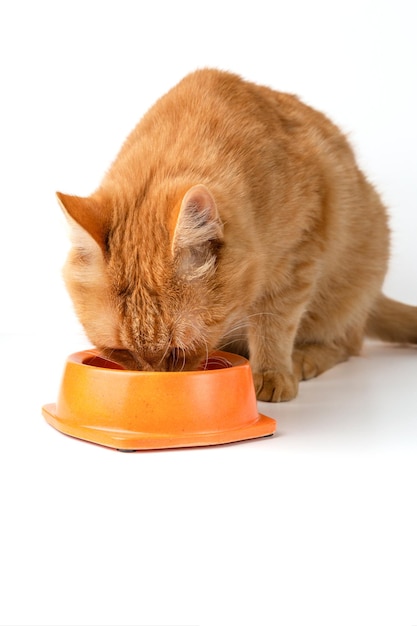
{"x":271,"y":386}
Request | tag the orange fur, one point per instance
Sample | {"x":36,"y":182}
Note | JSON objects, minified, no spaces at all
{"x":233,"y":217}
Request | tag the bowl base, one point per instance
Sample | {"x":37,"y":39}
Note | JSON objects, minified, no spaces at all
{"x":128,"y":441}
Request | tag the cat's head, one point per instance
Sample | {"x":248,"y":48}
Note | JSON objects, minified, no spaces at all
{"x":143,"y":275}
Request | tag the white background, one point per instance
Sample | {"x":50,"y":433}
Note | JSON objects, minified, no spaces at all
{"x":314,"y":526}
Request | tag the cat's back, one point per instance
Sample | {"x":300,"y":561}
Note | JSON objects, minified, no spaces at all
{"x":229,"y":103}
{"x":212,"y":118}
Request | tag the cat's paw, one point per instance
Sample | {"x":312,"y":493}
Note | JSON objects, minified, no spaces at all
{"x":271,"y":386}
{"x":313,"y":359}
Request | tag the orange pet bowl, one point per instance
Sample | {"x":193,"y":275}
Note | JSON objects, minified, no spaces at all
{"x":101,"y":402}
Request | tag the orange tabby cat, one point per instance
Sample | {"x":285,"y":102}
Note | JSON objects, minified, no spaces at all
{"x":234,"y":217}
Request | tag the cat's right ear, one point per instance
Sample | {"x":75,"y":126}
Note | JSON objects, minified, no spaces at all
{"x":198,"y":233}
{"x":89,"y":214}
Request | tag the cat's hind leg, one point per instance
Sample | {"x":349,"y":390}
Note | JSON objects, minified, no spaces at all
{"x":313,"y":357}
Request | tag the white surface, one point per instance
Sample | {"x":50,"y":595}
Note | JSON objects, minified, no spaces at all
{"x":313,"y":526}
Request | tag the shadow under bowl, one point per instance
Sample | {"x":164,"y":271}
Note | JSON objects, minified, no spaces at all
{"x":101,"y":402}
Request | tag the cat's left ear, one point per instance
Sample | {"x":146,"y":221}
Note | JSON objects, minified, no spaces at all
{"x":198,"y":231}
{"x":88,"y":213}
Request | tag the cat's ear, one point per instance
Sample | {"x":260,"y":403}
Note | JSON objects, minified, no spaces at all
{"x":198,"y":232}
{"x":90,"y":214}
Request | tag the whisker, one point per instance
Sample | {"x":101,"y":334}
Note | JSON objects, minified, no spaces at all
{"x":232,"y":341}
{"x":167,"y":349}
{"x":183,"y":359}
{"x":219,"y":361}
{"x":263,"y":313}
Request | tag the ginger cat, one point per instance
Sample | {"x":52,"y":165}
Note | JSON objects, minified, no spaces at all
{"x":234,"y":217}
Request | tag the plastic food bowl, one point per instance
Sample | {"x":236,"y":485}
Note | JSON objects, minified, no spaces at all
{"x":101,"y":402}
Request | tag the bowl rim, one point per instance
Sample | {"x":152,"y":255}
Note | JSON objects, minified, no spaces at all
{"x":235,"y":360}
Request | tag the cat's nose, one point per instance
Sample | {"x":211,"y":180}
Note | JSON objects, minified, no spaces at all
{"x":152,"y":361}
{"x":172,"y":360}
{"x":140,"y":363}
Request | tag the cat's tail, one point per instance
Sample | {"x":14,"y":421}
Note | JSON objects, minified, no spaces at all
{"x":392,"y":321}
